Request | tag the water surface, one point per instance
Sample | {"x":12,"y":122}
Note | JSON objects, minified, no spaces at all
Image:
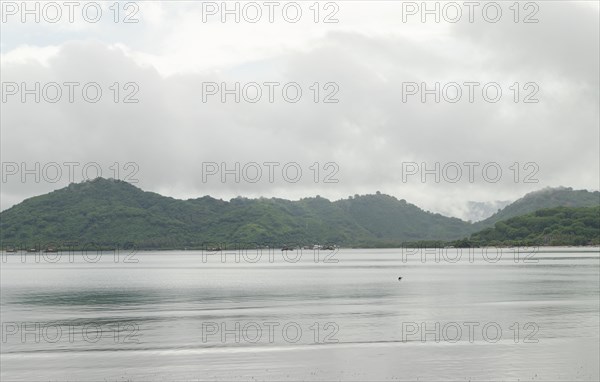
{"x":187,"y":315}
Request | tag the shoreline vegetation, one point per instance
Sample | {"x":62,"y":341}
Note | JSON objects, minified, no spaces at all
{"x":107,"y":214}
{"x":575,"y":248}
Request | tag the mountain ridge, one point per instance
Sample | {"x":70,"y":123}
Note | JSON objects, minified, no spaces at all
{"x":109,"y":210}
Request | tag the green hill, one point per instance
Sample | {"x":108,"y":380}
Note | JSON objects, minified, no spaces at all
{"x":551,"y":226}
{"x":545,"y":198}
{"x":110,"y":212}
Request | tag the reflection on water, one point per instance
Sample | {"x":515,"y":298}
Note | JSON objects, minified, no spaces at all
{"x":177,"y":315}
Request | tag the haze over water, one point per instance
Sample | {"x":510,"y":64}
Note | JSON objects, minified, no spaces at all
{"x":179,"y":315}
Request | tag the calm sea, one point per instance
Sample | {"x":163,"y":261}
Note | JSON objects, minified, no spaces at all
{"x":528,"y":314}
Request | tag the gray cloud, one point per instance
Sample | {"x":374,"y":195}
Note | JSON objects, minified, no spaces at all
{"x":370,"y":133}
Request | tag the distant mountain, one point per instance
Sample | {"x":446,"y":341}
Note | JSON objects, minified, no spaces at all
{"x":545,"y":198}
{"x":109,"y":212}
{"x":478,"y":211}
{"x":551,"y":226}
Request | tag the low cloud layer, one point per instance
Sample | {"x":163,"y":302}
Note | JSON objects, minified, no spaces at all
{"x":378,"y":136}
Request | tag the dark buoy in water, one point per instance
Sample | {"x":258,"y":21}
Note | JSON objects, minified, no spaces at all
{"x":399,"y":278}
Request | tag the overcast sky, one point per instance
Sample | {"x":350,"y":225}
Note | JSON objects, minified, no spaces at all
{"x":377,"y":135}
